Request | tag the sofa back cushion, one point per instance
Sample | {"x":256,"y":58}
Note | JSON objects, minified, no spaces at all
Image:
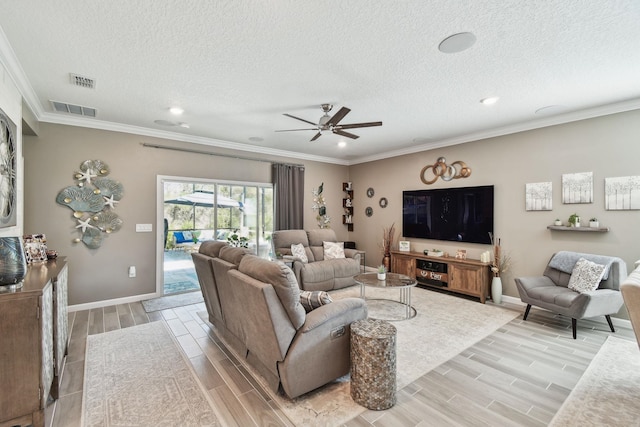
{"x":283,"y":239}
{"x":317,"y":238}
{"x":232,"y":254}
{"x":283,"y":281}
{"x":212,"y":248}
{"x":613,"y":276}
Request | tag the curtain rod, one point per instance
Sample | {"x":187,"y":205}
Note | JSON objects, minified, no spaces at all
{"x":188,"y":150}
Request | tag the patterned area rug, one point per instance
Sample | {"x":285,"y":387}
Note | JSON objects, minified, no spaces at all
{"x":172,"y":301}
{"x":608,"y":394}
{"x":444,"y":326}
{"x":138,"y":376}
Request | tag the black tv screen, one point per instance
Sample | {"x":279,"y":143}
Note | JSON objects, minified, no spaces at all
{"x":452,"y":214}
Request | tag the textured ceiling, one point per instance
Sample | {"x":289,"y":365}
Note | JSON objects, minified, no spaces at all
{"x":236,"y":66}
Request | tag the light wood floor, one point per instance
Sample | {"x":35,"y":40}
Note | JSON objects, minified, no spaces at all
{"x":518,"y":376}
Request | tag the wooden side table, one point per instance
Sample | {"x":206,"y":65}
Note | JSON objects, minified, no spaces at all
{"x":373,"y":364}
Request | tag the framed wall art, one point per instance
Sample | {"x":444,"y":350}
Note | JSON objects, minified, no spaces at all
{"x":577,"y":188}
{"x":538,"y":196}
{"x":622,"y":193}
{"x":8,"y":173}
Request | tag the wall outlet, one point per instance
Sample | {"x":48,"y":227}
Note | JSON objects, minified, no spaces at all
{"x":132,"y":271}
{"x":144,"y":228}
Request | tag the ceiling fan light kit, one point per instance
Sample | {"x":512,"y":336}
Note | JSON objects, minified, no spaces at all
{"x":331,"y":123}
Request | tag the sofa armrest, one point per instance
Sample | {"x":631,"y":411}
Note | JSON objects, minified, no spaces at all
{"x":343,"y":309}
{"x":352,"y":253}
{"x":320,"y":351}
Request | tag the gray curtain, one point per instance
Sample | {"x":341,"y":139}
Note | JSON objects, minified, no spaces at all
{"x":288,"y":186}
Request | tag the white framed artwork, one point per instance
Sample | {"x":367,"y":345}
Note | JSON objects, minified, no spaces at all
{"x":622,"y":193}
{"x":404,"y":246}
{"x":577,"y":187}
{"x":539,"y":196}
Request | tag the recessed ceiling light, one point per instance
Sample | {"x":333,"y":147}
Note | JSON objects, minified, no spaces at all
{"x":489,"y":101}
{"x":176,"y":110}
{"x":457,"y":43}
{"x":342,"y":144}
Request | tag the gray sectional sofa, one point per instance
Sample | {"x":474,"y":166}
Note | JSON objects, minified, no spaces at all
{"x":254,"y":305}
{"x":318,"y":274}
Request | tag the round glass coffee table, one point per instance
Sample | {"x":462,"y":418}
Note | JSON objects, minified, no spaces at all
{"x":390,"y":309}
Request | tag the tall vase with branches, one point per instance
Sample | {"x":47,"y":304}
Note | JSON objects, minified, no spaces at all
{"x":499,"y":265}
{"x":388,"y":237}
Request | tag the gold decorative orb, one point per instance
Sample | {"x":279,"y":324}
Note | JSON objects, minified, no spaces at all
{"x":77,"y":214}
{"x":96,"y":191}
{"x":76,"y":240}
{"x":67,"y":200}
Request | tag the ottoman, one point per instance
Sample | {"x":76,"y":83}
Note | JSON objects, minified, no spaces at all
{"x":373,"y":363}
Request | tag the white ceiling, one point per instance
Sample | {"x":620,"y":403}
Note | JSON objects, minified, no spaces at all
{"x":236,"y":66}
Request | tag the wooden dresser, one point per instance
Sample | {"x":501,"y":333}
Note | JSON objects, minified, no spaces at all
{"x":33,"y":343}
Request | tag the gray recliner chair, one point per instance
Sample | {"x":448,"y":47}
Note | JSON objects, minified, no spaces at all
{"x":550,"y":290}
{"x":630,"y":289}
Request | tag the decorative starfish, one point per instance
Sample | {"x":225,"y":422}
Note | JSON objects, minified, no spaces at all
{"x":109,"y":201}
{"x":86,"y":176}
{"x":84,"y":224}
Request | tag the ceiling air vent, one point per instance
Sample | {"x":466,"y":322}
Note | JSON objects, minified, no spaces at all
{"x":82,"y":81}
{"x":63,"y":107}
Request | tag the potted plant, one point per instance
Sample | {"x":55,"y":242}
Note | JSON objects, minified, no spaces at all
{"x":237,"y":241}
{"x":557,"y":222}
{"x":594,"y":223}
{"x":574,"y":220}
{"x":382,"y":272}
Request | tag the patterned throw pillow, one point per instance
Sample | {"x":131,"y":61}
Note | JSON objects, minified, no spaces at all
{"x":586,"y":276}
{"x":297,"y":250}
{"x":333,"y":250}
{"x":313,"y":299}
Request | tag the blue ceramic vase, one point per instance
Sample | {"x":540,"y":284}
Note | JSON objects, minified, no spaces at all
{"x":13,"y":264}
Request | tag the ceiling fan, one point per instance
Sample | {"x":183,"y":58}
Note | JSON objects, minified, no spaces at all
{"x":331,"y":123}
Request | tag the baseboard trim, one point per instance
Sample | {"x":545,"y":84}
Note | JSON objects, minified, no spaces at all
{"x":116,"y":301}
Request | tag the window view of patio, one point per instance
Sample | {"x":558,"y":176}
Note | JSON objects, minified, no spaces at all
{"x":194,"y":212}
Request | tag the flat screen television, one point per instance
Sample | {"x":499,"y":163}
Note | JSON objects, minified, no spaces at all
{"x":452,"y":214}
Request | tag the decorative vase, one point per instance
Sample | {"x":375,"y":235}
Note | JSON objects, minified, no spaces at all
{"x":557,"y":222}
{"x":386,"y":261}
{"x":496,"y":290}
{"x":13,"y":264}
{"x":382,"y":276}
{"x":594,"y":224}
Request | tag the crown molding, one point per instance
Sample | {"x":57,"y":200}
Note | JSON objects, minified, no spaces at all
{"x":574,"y":116}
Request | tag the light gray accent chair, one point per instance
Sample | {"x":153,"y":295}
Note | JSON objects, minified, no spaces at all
{"x":319,"y":274}
{"x":550,"y":290}
{"x":630,"y":289}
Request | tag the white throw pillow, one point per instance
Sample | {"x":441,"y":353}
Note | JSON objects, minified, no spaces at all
{"x":333,"y":250}
{"x":586,"y":276}
{"x":297,"y":250}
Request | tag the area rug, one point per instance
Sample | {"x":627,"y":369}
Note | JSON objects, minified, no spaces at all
{"x":608,"y":394}
{"x":172,"y":301}
{"x":444,"y":326}
{"x":138,"y":376}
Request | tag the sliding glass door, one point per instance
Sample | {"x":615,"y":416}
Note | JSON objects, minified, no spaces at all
{"x":195,"y":211}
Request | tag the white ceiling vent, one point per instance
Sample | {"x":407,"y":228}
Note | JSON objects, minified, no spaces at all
{"x":63,"y":107}
{"x":82,"y":81}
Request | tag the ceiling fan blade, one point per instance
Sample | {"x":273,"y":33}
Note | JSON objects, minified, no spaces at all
{"x":359,"y":125}
{"x":293,"y":130}
{"x":338,"y":116}
{"x":347,"y":134}
{"x":302,"y":120}
{"x":316,"y":136}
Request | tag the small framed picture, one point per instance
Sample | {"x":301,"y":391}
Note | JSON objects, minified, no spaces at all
{"x":404,"y":246}
{"x":461,"y":254}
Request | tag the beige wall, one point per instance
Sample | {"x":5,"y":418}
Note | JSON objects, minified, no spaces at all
{"x":102,"y":274}
{"x":607,"y":146}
